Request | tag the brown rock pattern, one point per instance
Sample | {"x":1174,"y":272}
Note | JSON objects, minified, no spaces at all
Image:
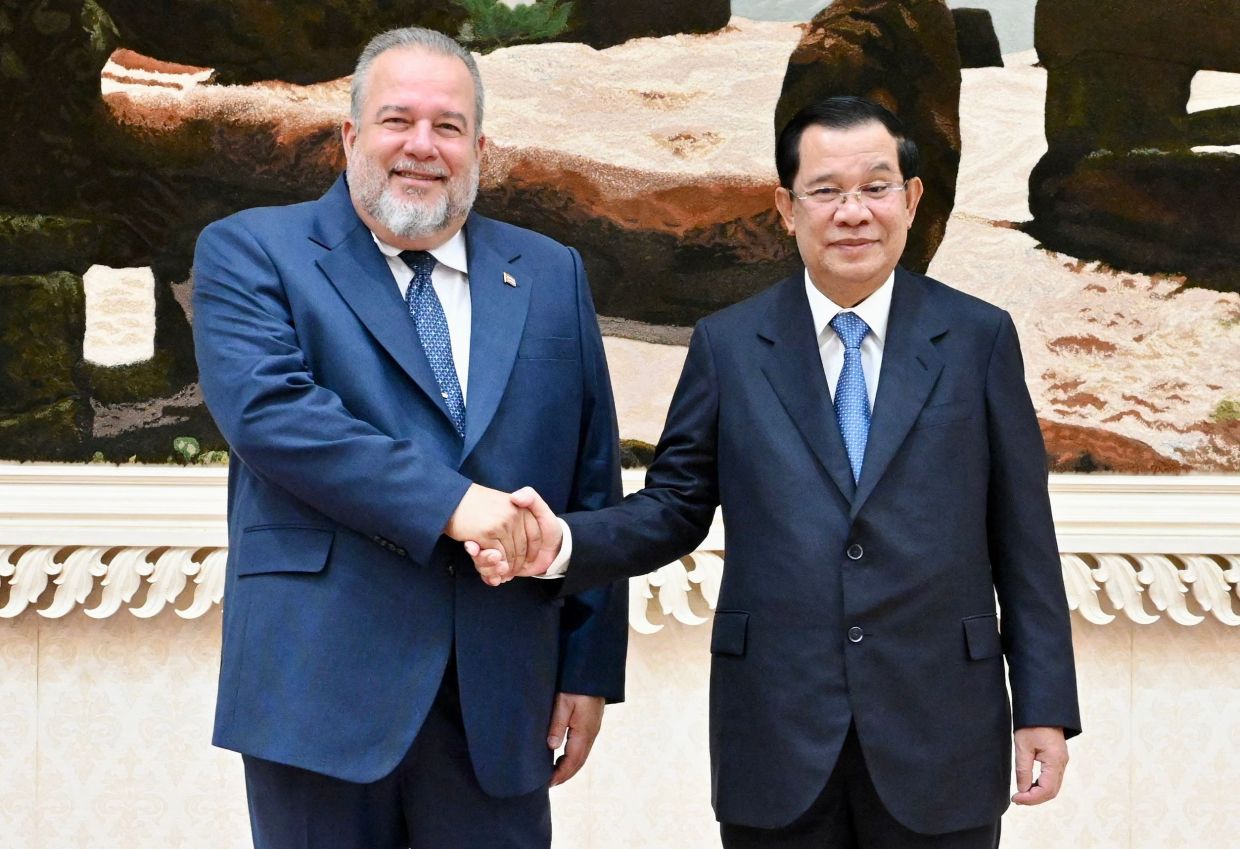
{"x":1081,"y":345}
{"x":903,"y":55}
{"x":661,"y":181}
{"x":1072,"y":448}
{"x":666,"y":236}
{"x":1143,"y":210}
{"x":1118,"y":71}
{"x":49,"y":100}
{"x":300,"y":41}
{"x":70,"y":202}
{"x":976,"y":39}
{"x":1120,"y":181}
{"x":602,"y":23}
{"x":669,"y":256}
{"x":307,"y":41}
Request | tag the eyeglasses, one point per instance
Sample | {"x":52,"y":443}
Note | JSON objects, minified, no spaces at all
{"x":866,"y":195}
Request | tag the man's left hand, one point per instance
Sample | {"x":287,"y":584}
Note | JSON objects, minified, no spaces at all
{"x":1046,"y":746}
{"x":579,"y":718}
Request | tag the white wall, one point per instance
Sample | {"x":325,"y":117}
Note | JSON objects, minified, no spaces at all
{"x":105,"y":742}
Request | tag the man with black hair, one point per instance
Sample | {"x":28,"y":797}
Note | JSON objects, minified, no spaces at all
{"x":870,"y":438}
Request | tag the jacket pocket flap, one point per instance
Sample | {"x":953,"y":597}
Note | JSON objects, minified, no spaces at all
{"x":548,"y":348}
{"x":283,"y":548}
{"x":981,"y":633}
{"x":730,"y":632}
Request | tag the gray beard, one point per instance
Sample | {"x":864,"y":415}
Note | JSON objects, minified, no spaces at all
{"x":409,"y":217}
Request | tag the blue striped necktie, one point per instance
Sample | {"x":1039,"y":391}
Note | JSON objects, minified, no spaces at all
{"x":428,"y":316}
{"x":852,"y":402}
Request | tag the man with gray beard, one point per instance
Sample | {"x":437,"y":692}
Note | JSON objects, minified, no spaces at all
{"x":381,"y":361}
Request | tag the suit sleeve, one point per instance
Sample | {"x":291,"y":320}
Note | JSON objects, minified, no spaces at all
{"x":286,"y":428}
{"x":1024,"y":554}
{"x":594,"y":623}
{"x":673,"y":513}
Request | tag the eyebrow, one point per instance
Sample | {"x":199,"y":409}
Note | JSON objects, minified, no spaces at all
{"x":405,"y":110}
{"x":881,"y":165}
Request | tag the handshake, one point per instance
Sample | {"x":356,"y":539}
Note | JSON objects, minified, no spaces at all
{"x":508,"y":535}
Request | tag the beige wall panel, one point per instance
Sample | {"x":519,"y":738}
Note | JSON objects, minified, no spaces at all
{"x":1186,"y":743}
{"x":1093,"y":810}
{"x":19,"y":641}
{"x":647,"y":784}
{"x":643,"y":378}
{"x":124,"y":736}
{"x":124,"y":706}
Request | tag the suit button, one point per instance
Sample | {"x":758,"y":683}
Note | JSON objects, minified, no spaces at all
{"x":855,"y":634}
{"x":855,"y":551}
{"x":451,"y":569}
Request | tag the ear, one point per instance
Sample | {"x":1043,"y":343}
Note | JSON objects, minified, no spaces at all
{"x":481,"y":143}
{"x":348,"y":137}
{"x":912,"y":196}
{"x":783,"y":202}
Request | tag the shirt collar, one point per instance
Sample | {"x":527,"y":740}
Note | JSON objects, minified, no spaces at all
{"x":451,"y":253}
{"x":874,"y":310}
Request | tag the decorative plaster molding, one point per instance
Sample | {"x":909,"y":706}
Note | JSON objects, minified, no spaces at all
{"x":123,"y":570}
{"x":104,"y":537}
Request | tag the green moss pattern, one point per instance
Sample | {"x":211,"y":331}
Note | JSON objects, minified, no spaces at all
{"x":42,"y":321}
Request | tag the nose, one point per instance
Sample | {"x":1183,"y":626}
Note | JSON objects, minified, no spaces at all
{"x":419,"y":141}
{"x":851,"y":209}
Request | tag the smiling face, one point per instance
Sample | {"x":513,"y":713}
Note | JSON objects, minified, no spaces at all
{"x":849,"y":249}
{"x":413,"y":153}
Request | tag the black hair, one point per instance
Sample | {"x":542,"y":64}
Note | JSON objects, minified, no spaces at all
{"x":840,"y":113}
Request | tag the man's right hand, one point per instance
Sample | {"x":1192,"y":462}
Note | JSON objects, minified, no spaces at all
{"x":495,"y":567}
{"x":495,"y":521}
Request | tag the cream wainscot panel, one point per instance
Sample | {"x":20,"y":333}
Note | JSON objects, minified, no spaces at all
{"x":110,"y":586}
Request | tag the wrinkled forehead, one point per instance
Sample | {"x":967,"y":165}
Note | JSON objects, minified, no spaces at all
{"x":404,"y":74}
{"x":865,"y":151}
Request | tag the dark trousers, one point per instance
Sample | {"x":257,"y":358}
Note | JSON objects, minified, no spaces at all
{"x":430,"y":801}
{"x":849,"y":815}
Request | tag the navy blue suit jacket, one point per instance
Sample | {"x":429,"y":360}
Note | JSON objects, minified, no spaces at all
{"x":343,"y":599}
{"x":871,"y":603}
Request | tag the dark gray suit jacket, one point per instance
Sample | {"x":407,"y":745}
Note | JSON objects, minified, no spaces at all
{"x":874,"y":603}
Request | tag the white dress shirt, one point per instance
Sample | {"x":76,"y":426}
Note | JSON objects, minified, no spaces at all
{"x":451,"y":281}
{"x":874,"y":311}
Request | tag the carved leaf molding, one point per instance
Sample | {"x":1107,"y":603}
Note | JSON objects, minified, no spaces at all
{"x":55,"y":580}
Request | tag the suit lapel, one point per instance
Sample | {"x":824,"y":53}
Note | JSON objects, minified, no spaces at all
{"x":499,"y":311}
{"x":794,"y":369}
{"x":910,"y":369}
{"x":361,"y":275}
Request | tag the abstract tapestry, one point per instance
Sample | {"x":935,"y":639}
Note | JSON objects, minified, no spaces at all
{"x":1090,"y":185}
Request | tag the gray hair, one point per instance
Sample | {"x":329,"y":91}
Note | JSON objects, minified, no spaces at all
{"x":418,"y":38}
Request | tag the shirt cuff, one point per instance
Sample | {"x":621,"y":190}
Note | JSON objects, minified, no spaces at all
{"x":560,"y":565}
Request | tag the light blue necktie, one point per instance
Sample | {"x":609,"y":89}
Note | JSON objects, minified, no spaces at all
{"x":432,"y":324}
{"x":852,"y":402}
